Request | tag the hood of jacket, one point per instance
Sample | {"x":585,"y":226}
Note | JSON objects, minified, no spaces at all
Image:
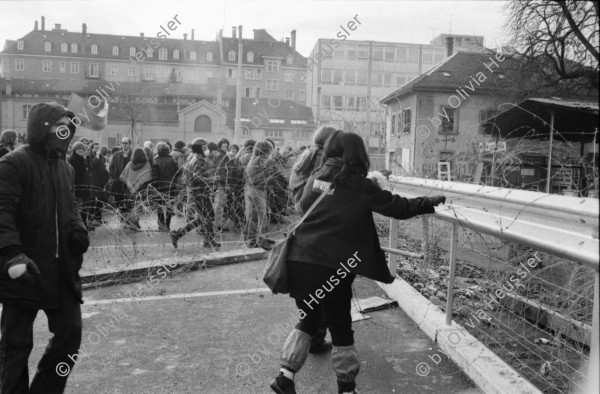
{"x":41,"y":118}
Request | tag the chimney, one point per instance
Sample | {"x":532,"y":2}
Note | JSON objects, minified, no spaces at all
{"x":293,"y":35}
{"x":43,"y":24}
{"x":84,"y":29}
{"x":184,"y":36}
{"x":449,"y":46}
{"x":233,"y":32}
{"x":192,"y":34}
{"x":35,"y":26}
{"x":287,"y":41}
{"x":57,"y":26}
{"x":240,"y":32}
{"x":142,"y":35}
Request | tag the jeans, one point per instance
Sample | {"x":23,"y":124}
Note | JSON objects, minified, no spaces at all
{"x":17,"y":342}
{"x":256,"y":212}
{"x":200,"y":214}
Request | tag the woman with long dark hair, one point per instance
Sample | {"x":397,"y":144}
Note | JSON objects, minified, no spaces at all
{"x":336,"y":242}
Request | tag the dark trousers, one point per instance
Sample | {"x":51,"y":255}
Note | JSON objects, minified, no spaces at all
{"x":17,"y":342}
{"x":234,"y":209}
{"x":200,"y":214}
{"x":334,"y":307}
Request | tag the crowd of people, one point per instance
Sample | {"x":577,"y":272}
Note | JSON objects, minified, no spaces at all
{"x":218,"y":187}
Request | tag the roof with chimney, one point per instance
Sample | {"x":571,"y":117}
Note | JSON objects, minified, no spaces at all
{"x":459,"y":70}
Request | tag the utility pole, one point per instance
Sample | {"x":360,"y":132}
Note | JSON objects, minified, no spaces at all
{"x":238,"y":97}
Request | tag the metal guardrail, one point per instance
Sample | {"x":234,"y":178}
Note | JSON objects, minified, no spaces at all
{"x":558,"y":225}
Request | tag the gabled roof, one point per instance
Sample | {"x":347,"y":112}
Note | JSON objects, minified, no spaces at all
{"x":34,"y":45}
{"x":285,"y":110}
{"x":459,"y":70}
{"x":263,"y":48}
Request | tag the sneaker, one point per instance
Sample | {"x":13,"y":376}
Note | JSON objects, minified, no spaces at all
{"x":252,"y":243}
{"x":320,"y":347}
{"x":283,"y":385}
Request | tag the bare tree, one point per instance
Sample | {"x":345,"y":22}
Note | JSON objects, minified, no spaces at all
{"x":556,"y":43}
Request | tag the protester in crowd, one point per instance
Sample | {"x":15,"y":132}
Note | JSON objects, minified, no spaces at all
{"x":246,"y":153}
{"x":339,"y":229}
{"x":149,"y":150}
{"x":136,"y":175}
{"x":118,"y":189}
{"x":277,"y":195}
{"x":164,"y":171}
{"x":8,"y":140}
{"x":221,"y":159}
{"x":84,"y":141}
{"x":178,"y":153}
{"x":42,"y":242}
{"x":310,"y":160}
{"x":233,"y":151}
{"x":199,"y":182}
{"x":234,"y":209}
{"x":259,"y":173}
{"x":99,"y":177}
{"x":81,"y":183}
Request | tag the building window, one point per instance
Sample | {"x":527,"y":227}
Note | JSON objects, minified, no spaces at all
{"x":363,"y":78}
{"x":19,"y":65}
{"x":254,"y":74}
{"x":401,"y":52}
{"x":485,"y":115}
{"x":302,"y":95}
{"x":114,"y":70}
{"x":272,"y":66}
{"x":289,"y":94}
{"x":338,"y":53}
{"x":93,"y":49}
{"x":175,"y":53}
{"x":192,"y":55}
{"x":289,"y":59}
{"x":245,"y":132}
{"x":289,"y":76}
{"x":338,"y":76}
{"x":277,"y":121}
{"x":363,"y":52}
{"x":131,"y":72}
{"x":326,"y":101}
{"x":427,"y":56}
{"x":299,"y":122}
{"x":387,"y":79}
{"x":209,"y":56}
{"x":26,"y":109}
{"x":338,"y":102}
{"x":377,"y":53}
{"x":131,"y":51}
{"x":74,"y":67}
{"x":351,"y":52}
{"x":250,"y":57}
{"x":20,"y":45}
{"x":406,"y":121}
{"x":326,"y":76}
{"x":74,"y":48}
{"x":413,"y":55}
{"x":149,"y":73}
{"x":393,"y":121}
{"x":47,"y":46}
{"x":351,"y":103}
{"x":376,"y":79}
{"x":61,"y":67}
{"x":162,"y":54}
{"x":272,"y":84}
{"x":93,"y":69}
{"x":64,"y":47}
{"x":203,"y":124}
{"x":46,"y":66}
{"x":274,"y":133}
{"x":231,"y":56}
{"x":231,"y":72}
{"x":192,"y":74}
{"x":350,"y":78}
{"x":115,"y":50}
{"x":390,"y":54}
{"x":449,"y":124}
{"x":149,"y":52}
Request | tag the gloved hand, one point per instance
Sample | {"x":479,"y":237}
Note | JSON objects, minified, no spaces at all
{"x":22,"y":268}
{"x":78,"y":242}
{"x":437,"y":200}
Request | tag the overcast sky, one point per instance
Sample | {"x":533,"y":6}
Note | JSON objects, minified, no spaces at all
{"x":393,"y":21}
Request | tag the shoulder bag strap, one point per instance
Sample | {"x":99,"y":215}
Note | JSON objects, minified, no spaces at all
{"x":308,"y":212}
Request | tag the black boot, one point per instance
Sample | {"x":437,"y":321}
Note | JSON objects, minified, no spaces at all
{"x":175,"y":235}
{"x":283,"y":385}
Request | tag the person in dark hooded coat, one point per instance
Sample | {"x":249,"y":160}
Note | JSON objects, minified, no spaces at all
{"x":42,"y":242}
{"x":164,"y":174}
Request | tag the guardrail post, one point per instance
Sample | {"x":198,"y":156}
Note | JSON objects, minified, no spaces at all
{"x":393,"y":244}
{"x":453,"y":245}
{"x":593,"y":378}
{"x":425,"y":241}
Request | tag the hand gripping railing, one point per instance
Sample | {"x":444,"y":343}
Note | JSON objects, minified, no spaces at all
{"x":562,"y":226}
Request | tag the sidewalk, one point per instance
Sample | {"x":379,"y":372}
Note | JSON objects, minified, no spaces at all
{"x":209,"y":342}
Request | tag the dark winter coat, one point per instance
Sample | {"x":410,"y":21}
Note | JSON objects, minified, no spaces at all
{"x":82,"y":176}
{"x":235,"y":173}
{"x":117,"y":165}
{"x":342,"y":226}
{"x":164,"y":170}
{"x":37,"y":216}
{"x":99,"y":176}
{"x":198,"y":173}
{"x":221,"y":160}
{"x":261,"y":172}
